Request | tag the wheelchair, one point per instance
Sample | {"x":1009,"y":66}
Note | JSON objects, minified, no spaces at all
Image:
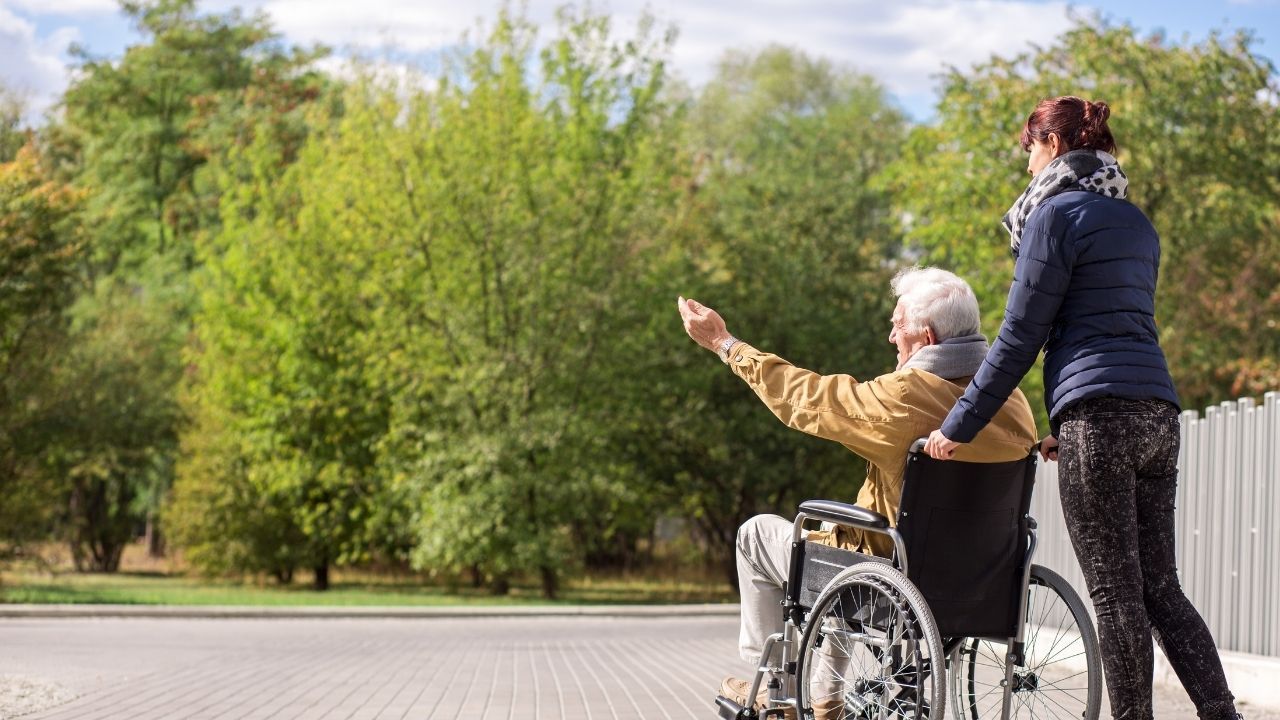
{"x":959,"y":616}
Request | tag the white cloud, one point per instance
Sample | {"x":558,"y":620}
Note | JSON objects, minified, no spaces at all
{"x":396,"y":74}
{"x":61,"y":7}
{"x":903,"y":44}
{"x":413,"y":26}
{"x":33,"y":66}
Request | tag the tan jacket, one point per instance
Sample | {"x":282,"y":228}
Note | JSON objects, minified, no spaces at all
{"x":879,"y":420}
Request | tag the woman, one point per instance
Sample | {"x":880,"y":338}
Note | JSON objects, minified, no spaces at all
{"x":1084,"y":290}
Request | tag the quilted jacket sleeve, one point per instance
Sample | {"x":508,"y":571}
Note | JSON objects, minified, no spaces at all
{"x":1041,"y":276}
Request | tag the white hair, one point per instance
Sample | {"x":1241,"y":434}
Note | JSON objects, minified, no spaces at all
{"x":934,"y":298}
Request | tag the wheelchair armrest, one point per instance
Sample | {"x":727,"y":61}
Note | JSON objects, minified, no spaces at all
{"x":844,"y":514}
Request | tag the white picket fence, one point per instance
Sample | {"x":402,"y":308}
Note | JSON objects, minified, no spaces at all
{"x":1228,"y":522}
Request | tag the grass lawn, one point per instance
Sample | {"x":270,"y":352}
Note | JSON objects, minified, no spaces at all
{"x":143,"y":582}
{"x":145,"y":589}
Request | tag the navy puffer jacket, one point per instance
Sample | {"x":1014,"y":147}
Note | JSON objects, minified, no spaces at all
{"x":1083,"y":289}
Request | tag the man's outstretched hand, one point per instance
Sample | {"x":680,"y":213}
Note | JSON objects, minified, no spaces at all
{"x":703,"y":324}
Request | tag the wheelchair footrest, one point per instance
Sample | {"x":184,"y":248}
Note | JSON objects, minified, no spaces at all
{"x":730,"y":710}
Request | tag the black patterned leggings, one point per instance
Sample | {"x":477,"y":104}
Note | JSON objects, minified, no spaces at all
{"x":1117,"y":465}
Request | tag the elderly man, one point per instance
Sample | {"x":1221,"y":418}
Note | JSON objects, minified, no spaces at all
{"x":936,"y":331}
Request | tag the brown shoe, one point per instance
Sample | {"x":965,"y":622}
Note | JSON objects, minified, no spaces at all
{"x":828,"y":710}
{"x":736,"y":690}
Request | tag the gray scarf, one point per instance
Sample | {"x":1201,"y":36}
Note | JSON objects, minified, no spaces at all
{"x":956,"y":357}
{"x":1091,"y":170}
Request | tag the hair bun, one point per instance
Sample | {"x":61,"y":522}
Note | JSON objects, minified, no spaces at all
{"x":1079,"y":123}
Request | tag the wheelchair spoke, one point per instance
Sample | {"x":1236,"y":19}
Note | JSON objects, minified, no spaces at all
{"x":1024,"y":701}
{"x":1061,"y":660}
{"x":1038,"y":627}
{"x":1073,"y":675}
{"x":1065,"y":648}
{"x":991,"y":688}
{"x":1061,"y":630}
{"x":1059,"y":676}
{"x":1044,"y":703}
{"x":997,"y":660}
{"x":864,"y":655}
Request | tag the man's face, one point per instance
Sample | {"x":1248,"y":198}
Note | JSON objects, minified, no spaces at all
{"x":906,"y":341}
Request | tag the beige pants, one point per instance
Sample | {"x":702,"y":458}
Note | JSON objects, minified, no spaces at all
{"x":764,"y":552}
{"x":763,"y":557}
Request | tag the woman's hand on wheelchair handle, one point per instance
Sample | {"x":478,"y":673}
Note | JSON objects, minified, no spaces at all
{"x":1049,"y":448}
{"x":939,"y":446}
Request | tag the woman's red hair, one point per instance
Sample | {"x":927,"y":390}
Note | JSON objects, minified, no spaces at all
{"x":1078,"y":123}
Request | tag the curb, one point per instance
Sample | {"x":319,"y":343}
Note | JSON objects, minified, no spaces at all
{"x":361,"y":612}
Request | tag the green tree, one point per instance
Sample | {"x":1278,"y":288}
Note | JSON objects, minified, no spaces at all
{"x":138,"y":129}
{"x":1196,"y":130}
{"x":40,"y":252}
{"x":286,"y":419}
{"x":138,"y":134}
{"x":110,"y":427}
{"x":444,"y":274}
{"x":792,"y":239}
{"x":546,"y":206}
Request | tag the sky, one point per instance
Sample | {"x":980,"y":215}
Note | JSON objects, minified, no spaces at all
{"x":904,"y":44}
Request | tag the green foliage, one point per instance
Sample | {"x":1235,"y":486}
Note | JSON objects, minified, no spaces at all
{"x":139,"y":129}
{"x":1196,"y":130}
{"x":430,"y":336}
{"x":40,"y":248}
{"x":277,"y":472}
{"x":110,"y":431}
{"x":138,"y":135}
{"x":552,"y":197}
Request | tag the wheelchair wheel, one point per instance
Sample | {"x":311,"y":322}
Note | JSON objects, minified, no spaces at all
{"x":869,"y":648}
{"x":1061,"y":676}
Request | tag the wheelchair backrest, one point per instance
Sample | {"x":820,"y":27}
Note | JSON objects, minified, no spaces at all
{"x":965,"y":529}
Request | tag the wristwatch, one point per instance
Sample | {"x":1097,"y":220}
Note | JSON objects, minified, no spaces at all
{"x":724,"y":348}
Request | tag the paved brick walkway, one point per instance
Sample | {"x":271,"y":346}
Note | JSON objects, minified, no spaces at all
{"x":536,"y":668}
{"x":496,"y":668}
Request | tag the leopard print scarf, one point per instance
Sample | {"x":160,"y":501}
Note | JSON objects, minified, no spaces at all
{"x":1091,"y":170}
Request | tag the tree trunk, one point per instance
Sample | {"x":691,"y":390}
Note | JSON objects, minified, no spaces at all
{"x":77,"y":556}
{"x":99,"y":528}
{"x":322,"y":576}
{"x":477,"y":576}
{"x":501,"y":585}
{"x":731,"y":573}
{"x":154,"y":538}
{"x":653,"y":542}
{"x":111,"y":555}
{"x":550,"y":582}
